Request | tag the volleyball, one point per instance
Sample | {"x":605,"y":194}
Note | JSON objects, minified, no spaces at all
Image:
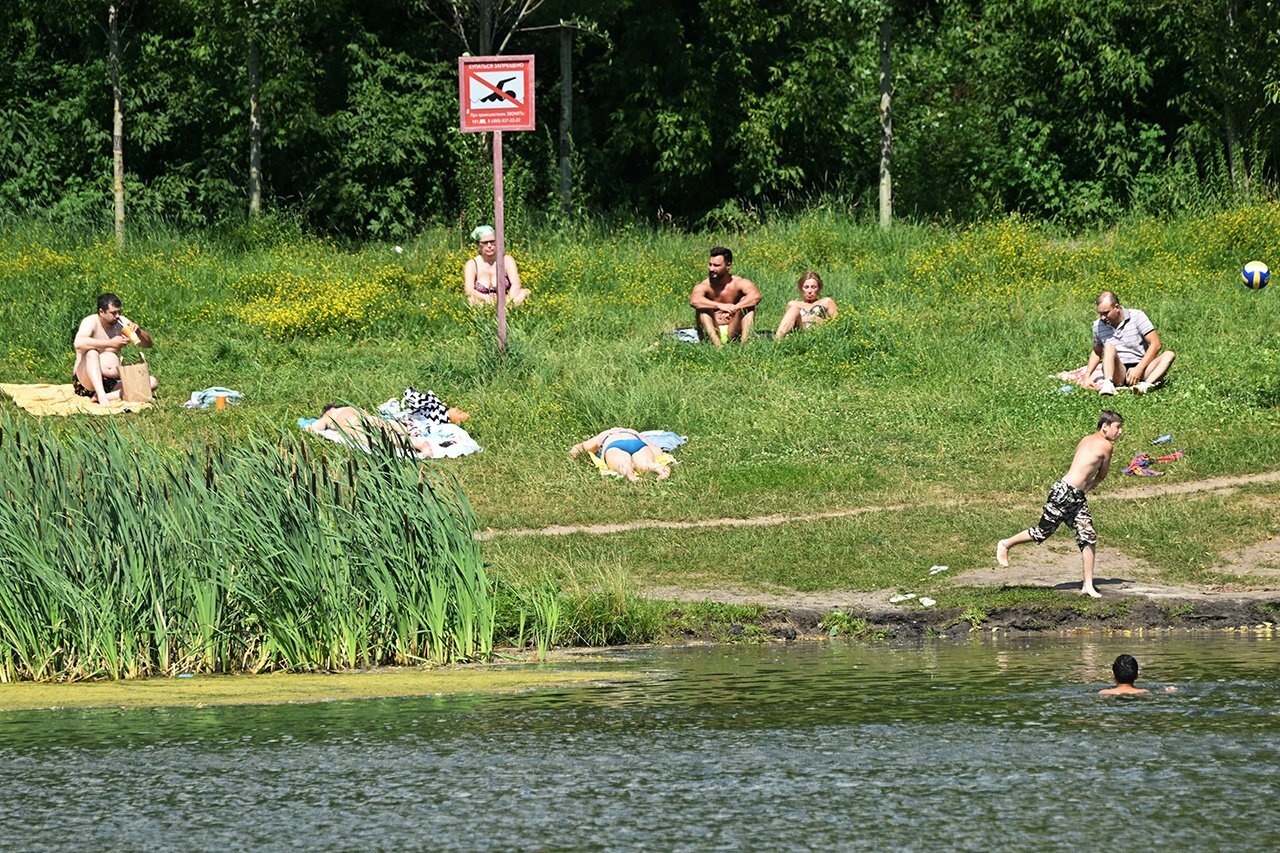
{"x":1255,"y":275}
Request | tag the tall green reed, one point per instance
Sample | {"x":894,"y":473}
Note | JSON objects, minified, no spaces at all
{"x":120,"y":560}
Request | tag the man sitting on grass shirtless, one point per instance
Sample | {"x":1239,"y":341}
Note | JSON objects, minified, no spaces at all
{"x":98,"y":343}
{"x":1067,"y":500}
{"x":723,"y":298}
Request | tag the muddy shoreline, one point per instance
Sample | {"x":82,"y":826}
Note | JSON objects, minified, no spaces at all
{"x":1127,"y":615}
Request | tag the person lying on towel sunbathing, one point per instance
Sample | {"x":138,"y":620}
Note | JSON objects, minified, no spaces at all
{"x":360,"y":426}
{"x":625,"y":452}
{"x":98,"y":342}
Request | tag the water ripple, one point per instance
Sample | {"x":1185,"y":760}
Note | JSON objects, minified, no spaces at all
{"x":919,"y":746}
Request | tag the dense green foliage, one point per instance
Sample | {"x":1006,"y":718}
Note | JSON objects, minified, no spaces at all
{"x":1076,"y":110}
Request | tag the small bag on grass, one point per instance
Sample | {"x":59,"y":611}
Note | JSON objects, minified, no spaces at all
{"x":135,"y":382}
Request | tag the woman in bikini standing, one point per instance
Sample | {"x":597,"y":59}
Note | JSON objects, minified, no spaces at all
{"x":480,"y":273}
{"x":624,"y":451}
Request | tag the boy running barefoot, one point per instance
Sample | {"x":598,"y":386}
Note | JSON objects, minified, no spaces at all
{"x":1067,"y":502}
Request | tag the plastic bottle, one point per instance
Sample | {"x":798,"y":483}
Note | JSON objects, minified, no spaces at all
{"x":130,"y":330}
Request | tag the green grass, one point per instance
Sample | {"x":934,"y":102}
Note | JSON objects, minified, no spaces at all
{"x":930,"y":392}
{"x":1184,"y":538}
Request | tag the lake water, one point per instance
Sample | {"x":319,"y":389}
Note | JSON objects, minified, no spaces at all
{"x":994,"y":743}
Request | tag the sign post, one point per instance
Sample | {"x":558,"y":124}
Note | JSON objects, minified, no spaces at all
{"x":495,"y":93}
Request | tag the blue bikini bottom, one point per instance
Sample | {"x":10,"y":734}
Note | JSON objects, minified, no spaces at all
{"x":630,"y":444}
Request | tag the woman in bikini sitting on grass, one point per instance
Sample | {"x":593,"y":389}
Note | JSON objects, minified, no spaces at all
{"x":625,"y":451}
{"x":810,"y":309}
{"x":480,"y":274}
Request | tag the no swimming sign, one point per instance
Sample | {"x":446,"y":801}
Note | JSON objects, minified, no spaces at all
{"x":495,"y":93}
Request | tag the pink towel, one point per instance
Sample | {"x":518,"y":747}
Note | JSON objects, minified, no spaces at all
{"x":1078,"y":377}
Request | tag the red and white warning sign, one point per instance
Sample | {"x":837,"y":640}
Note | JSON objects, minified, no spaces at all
{"x":496,"y":92}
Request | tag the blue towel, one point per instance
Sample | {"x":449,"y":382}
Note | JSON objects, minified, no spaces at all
{"x":664,"y":439}
{"x":206,"y":398}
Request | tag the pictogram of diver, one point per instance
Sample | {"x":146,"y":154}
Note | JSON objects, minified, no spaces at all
{"x":497,"y":96}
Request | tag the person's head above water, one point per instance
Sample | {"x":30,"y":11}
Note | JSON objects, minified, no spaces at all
{"x":1125,"y":669}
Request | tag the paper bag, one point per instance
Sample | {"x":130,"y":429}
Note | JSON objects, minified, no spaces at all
{"x":135,"y":382}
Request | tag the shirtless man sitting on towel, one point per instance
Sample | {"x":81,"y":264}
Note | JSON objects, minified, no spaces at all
{"x":98,"y":342}
{"x":724,"y":299}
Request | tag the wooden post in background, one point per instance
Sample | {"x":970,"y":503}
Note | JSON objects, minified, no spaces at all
{"x":566,"y":116}
{"x":117,"y":126}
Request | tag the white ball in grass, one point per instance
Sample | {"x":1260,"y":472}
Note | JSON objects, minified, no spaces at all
{"x":1255,"y":275}
{"x":399,"y":250}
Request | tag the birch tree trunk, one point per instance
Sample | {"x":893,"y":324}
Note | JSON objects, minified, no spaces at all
{"x":117,"y":126}
{"x":886,"y":126}
{"x":255,"y":134}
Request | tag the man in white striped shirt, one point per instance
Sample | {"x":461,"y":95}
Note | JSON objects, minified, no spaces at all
{"x":1127,"y":347}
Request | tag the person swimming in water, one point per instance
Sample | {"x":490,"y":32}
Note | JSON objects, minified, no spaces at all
{"x":625,"y":451}
{"x":810,"y":309}
{"x":1125,"y":672}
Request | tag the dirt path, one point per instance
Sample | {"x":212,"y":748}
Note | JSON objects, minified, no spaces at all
{"x":1142,"y":490}
{"x":1054,"y":565}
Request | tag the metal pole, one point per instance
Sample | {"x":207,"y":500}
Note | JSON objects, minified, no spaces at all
{"x":500,"y":263}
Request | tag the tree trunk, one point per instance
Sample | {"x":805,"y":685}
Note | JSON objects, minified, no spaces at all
{"x":566,"y":114}
{"x":255,"y":135}
{"x":886,"y":127}
{"x":117,"y":127}
{"x":1237,"y":165}
{"x":485,"y":46}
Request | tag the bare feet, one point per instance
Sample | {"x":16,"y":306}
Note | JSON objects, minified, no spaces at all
{"x":1090,"y":591}
{"x":664,"y":473}
{"x":1002,"y":554}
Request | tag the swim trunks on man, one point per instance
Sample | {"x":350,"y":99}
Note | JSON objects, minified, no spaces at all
{"x":1067,"y":504}
{"x":108,"y":385}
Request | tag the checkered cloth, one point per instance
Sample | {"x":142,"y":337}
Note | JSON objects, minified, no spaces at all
{"x":424,"y":406}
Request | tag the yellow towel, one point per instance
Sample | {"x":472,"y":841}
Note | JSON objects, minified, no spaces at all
{"x":606,"y":471}
{"x":63,"y":400}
